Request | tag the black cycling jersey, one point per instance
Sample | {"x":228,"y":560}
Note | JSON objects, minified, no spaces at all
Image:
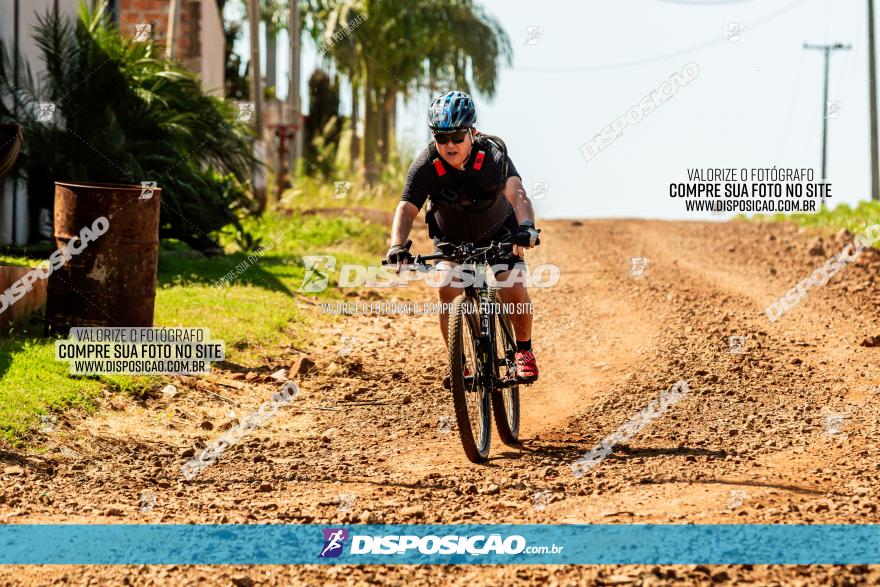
{"x":466,"y":204}
{"x":423,"y":181}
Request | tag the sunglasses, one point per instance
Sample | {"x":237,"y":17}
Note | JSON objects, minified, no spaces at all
{"x":456,"y":137}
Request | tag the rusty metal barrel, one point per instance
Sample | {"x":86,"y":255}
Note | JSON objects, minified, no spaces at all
{"x":111,"y":280}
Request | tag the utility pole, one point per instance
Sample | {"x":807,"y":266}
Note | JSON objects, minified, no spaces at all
{"x":826,"y":50}
{"x":13,"y":179}
{"x":872,"y":90}
{"x":256,"y":78}
{"x":293,"y":93}
{"x":257,"y":98}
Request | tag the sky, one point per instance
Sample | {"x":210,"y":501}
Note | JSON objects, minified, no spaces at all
{"x":756,"y":101}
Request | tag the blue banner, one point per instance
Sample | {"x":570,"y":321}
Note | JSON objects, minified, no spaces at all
{"x":440,"y":544}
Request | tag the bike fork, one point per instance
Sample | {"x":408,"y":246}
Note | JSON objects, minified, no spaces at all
{"x":487,"y":352}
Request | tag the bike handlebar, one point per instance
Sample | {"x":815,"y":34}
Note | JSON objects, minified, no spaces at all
{"x":461,"y":253}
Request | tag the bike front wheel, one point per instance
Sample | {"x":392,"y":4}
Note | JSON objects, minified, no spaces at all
{"x":469,"y":394}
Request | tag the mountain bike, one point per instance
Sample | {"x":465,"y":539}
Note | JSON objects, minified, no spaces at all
{"x":481,"y":349}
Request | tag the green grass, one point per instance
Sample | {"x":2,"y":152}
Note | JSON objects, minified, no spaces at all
{"x":35,"y":384}
{"x":17,"y":261}
{"x":319,"y":192}
{"x":253,"y":314}
{"x":28,"y":256}
{"x":258,"y":310}
{"x":30,"y":389}
{"x":840,"y":217}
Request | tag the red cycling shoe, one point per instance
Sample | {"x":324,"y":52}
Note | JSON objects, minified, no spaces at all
{"x":448,"y":384}
{"x":526,"y":366}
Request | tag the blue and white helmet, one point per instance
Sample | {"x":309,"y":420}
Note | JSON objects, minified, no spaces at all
{"x":452,"y":111}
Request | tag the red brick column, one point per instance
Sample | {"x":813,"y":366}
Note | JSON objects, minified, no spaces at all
{"x":155,"y":13}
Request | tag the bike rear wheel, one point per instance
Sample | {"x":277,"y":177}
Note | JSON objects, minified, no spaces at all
{"x":469,"y":395}
{"x":505,"y":401}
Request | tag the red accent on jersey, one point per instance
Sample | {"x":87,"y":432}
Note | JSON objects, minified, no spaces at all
{"x":438,"y":165}
{"x":478,"y":161}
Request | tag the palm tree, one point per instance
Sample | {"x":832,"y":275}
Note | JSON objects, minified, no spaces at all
{"x":324,"y":19}
{"x":401,"y":46}
{"x":467,"y":41}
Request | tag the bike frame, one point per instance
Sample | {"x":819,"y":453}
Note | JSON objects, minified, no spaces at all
{"x":467,"y":254}
{"x":486,"y":340}
{"x":479,"y":259}
{"x":479,"y":393}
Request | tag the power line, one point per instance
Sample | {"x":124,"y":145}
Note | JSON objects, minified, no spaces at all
{"x":704,"y":2}
{"x":657,"y":58}
{"x":796,"y":92}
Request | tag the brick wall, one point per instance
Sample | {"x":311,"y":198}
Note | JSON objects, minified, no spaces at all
{"x":155,"y":13}
{"x":32,"y":301}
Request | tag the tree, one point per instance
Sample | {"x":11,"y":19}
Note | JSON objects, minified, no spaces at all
{"x":159,"y":125}
{"x":392,"y":48}
{"x":237,"y":85}
{"x":322,"y":125}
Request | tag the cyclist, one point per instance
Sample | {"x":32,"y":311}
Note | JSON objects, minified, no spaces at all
{"x":475,"y":195}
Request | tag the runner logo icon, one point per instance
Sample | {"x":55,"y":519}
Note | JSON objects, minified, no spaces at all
{"x":318,"y":270}
{"x":334,"y":540}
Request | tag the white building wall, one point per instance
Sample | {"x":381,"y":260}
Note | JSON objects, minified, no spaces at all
{"x":28,"y":14}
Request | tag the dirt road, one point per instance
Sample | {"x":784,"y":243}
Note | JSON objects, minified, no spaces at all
{"x":781,"y":427}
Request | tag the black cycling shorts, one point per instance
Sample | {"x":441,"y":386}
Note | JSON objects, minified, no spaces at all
{"x":503,"y":235}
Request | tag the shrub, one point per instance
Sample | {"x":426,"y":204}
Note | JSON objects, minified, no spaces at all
{"x":123,"y":114}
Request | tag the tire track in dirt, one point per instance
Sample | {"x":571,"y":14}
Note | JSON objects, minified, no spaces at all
{"x":728,"y":288}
